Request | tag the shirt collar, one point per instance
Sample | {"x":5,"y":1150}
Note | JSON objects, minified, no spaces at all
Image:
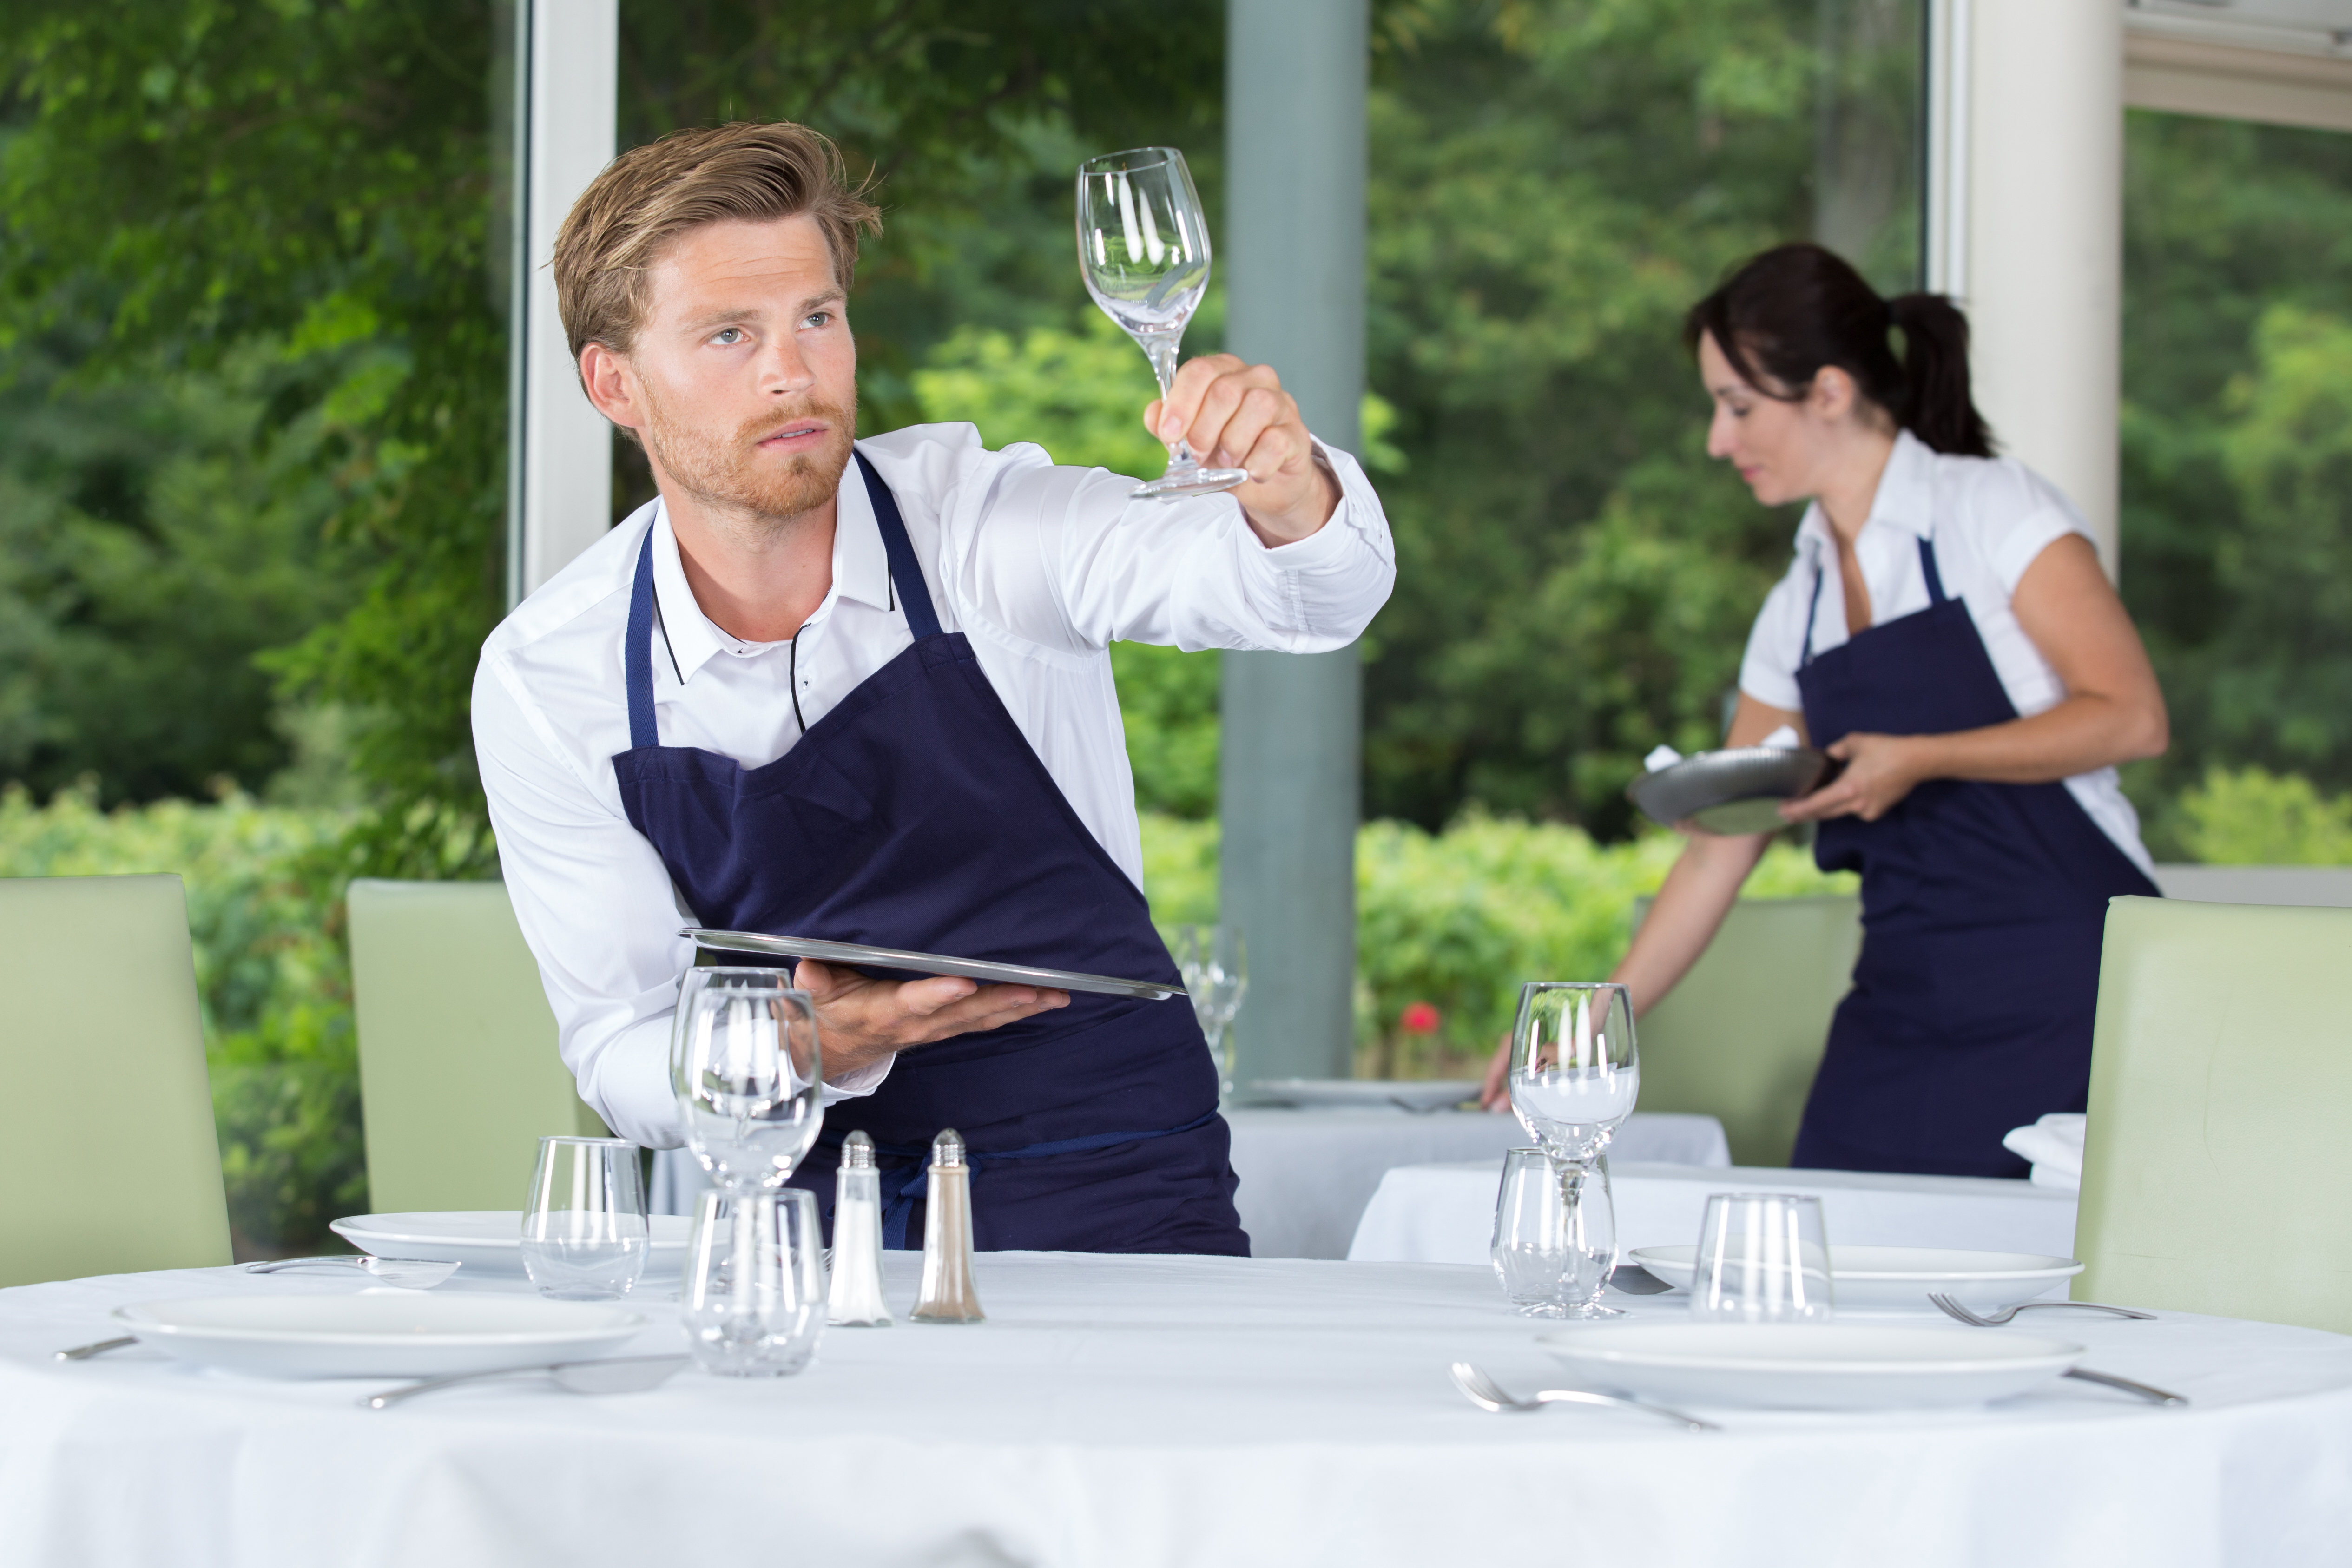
{"x":1905,"y":500}
{"x":861,"y":570}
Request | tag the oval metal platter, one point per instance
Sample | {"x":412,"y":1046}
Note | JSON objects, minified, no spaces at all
{"x":1737,"y":790}
{"x":860,"y":955}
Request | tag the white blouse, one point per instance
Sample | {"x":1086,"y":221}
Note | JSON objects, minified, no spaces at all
{"x":1988,"y":519}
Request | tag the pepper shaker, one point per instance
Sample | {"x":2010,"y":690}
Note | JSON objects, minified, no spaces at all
{"x":947,"y":1295}
{"x":856,"y":1298}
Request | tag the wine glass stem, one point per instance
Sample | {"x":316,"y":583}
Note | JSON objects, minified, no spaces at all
{"x":1160,"y":349}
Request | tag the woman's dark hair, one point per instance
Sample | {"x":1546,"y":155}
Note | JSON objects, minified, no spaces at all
{"x":1785,"y":314}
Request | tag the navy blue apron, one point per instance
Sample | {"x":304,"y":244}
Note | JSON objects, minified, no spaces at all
{"x":915,"y":814}
{"x":1982,"y":908}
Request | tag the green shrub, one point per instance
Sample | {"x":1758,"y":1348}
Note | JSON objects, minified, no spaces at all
{"x":2252,"y":818}
{"x":1459,"y":919}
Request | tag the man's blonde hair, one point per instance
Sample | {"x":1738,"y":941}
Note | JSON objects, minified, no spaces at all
{"x":649,"y":195}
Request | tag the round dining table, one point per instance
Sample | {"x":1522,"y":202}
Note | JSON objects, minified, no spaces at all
{"x":1134,"y":1411}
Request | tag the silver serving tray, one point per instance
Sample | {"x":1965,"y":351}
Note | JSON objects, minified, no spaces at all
{"x":858,"y":953}
{"x":1737,"y":790}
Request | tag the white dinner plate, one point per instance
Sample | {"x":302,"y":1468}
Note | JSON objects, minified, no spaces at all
{"x":1899,"y":1278}
{"x":488,"y":1241}
{"x":983,"y":969}
{"x":1796,"y":1366}
{"x":399,"y":1333}
{"x":1410,"y":1094}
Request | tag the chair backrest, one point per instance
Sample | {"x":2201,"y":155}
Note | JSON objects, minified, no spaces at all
{"x":1741,"y":1039}
{"x":2327,"y":885}
{"x":459,"y":1076}
{"x":102,"y":1067}
{"x":2220,"y":1110}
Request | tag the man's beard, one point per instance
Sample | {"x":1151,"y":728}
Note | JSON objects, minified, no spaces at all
{"x":727,"y":474}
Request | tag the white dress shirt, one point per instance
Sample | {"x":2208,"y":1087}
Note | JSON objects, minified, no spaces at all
{"x":1040,"y":567}
{"x":1988,"y":517}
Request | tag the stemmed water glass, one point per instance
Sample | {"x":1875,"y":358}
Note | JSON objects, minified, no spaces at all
{"x":1143,"y":249}
{"x":1575,"y":1075}
{"x":747,"y":1073}
{"x":1215,"y":963}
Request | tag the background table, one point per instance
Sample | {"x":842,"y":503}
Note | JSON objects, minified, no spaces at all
{"x":1148,"y":1411}
{"x":1445,"y":1213}
{"x":1307,"y":1174}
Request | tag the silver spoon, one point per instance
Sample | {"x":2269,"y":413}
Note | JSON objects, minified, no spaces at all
{"x":1951,"y":1308}
{"x":619,"y":1374}
{"x":1487,"y":1395}
{"x":407,"y":1273}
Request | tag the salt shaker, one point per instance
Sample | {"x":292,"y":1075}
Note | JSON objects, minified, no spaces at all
{"x":856,"y":1299}
{"x":947,"y":1295}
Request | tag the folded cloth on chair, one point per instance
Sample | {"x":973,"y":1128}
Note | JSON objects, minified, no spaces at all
{"x":2054,"y":1144}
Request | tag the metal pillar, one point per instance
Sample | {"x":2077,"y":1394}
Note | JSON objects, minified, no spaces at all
{"x":1293,"y":259}
{"x":560,"y":449}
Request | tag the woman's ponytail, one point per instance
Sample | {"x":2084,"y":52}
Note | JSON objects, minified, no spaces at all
{"x":1937,"y":406}
{"x":1784,"y":314}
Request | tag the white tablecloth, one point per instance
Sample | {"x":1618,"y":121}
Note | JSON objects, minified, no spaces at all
{"x":1445,"y":1213}
{"x":1306,"y":1175}
{"x":1144,"y":1411}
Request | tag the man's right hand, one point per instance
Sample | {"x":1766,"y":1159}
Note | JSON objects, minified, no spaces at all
{"x":861,"y":1021}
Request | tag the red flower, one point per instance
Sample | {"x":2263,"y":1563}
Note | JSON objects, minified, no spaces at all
{"x":1420,"y":1018}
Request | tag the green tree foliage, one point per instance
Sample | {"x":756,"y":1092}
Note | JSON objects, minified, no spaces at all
{"x":2237,"y":428}
{"x":1555,"y":182}
{"x":2252,"y":817}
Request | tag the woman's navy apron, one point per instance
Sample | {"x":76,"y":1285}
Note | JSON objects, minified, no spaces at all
{"x":1982,"y":908}
{"x":915,"y":816}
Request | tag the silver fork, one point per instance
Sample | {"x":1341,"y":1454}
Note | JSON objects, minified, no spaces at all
{"x":1951,"y":1308}
{"x":1487,"y":1395}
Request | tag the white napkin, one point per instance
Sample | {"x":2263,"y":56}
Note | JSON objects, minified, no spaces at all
{"x":1660,"y":757}
{"x":2054,"y":1144}
{"x":1782,"y":739}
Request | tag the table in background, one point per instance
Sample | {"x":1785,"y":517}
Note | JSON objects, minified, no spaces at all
{"x":1148,"y":1411}
{"x":1307,"y":1174}
{"x":1445,"y":1213}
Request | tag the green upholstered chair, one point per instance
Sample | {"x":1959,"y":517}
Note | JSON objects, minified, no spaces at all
{"x":459,"y":1076}
{"x":2220,"y":1113}
{"x":1741,"y":1038}
{"x":113,"y":1166}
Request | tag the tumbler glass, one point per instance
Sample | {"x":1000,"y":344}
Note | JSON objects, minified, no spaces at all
{"x":1762,"y":1258}
{"x":755,"y":1287}
{"x":584,"y":1229}
{"x":1531,"y":1245}
{"x":1590,"y":1209}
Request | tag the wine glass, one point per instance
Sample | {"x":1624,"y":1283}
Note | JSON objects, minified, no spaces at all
{"x":747,"y":1073}
{"x":1215,"y":963}
{"x":1575,"y":1073}
{"x":1143,"y":249}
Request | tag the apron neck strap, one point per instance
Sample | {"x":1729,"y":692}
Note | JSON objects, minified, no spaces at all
{"x":638,"y":659}
{"x":1936,"y":596}
{"x":913,"y":592}
{"x":1927,"y":569}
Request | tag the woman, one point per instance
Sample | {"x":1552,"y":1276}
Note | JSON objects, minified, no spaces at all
{"x":1945,"y":631}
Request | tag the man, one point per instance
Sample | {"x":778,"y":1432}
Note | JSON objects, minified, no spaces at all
{"x":864,"y":695}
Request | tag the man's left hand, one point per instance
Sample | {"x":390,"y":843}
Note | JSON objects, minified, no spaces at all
{"x":1880,"y":770}
{"x":1236,"y":416}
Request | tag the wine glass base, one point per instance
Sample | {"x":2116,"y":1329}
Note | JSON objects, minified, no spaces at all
{"x":1197,"y":482}
{"x":1591,"y":1312}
